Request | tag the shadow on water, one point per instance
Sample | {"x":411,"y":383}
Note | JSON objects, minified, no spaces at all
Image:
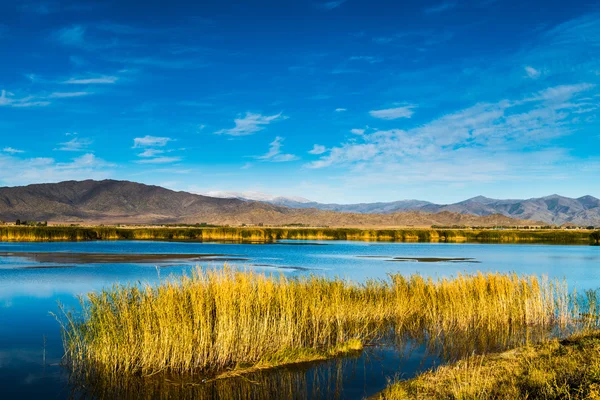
{"x":109,"y":258}
{"x":361,"y":375}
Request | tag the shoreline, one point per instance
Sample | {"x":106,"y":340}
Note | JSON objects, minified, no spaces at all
{"x":556,"y":368}
{"x":271,"y":235}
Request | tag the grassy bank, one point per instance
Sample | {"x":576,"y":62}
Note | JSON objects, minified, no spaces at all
{"x":222,"y":321}
{"x":55,"y":233}
{"x":567,"y":369}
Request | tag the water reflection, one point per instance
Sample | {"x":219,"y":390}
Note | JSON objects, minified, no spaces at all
{"x":323,"y":381}
{"x":358,"y":376}
{"x":28,"y":294}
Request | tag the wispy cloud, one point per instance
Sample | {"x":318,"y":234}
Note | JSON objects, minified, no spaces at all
{"x":11,"y":150}
{"x":159,"y":160}
{"x":485,"y":142}
{"x":62,"y":95}
{"x":250,"y":124}
{"x":439,"y":8}
{"x":419,"y":39}
{"x":19,"y":171}
{"x":330,"y":5}
{"x":357,"y":131}
{"x":154,"y":152}
{"x":340,"y":109}
{"x":151,"y":141}
{"x":532,"y":72}
{"x":8,"y":99}
{"x":151,"y":153}
{"x":367,"y":59}
{"x":393,"y":113}
{"x":275,"y":154}
{"x":318,"y":149}
{"x":98,"y":80}
{"x":75,"y":144}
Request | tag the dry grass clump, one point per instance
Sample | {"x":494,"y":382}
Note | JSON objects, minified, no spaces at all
{"x":225,"y":320}
{"x":478,"y":301}
{"x":568,"y":369}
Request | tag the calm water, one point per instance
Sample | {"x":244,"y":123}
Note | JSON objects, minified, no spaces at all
{"x":30,"y":347}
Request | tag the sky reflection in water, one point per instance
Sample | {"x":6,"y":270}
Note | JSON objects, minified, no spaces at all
{"x":29,"y":293}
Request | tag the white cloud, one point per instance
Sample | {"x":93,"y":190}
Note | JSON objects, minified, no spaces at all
{"x":274,"y":154}
{"x":368,"y":59}
{"x":357,"y":131}
{"x":318,"y":149}
{"x":11,"y":150}
{"x":250,"y":124}
{"x":485,"y":142}
{"x":159,"y":160}
{"x":150,"y":153}
{"x":562,"y":92}
{"x":85,"y":161}
{"x":92,"y":81}
{"x":17,"y":171}
{"x":75,"y":144}
{"x":340,"y":110}
{"x":8,"y":99}
{"x":62,"y":95}
{"x":151,"y":141}
{"x":532,"y":72}
{"x":4,"y":98}
{"x":393,"y":113}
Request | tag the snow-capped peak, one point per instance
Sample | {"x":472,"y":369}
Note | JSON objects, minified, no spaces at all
{"x":255,"y":196}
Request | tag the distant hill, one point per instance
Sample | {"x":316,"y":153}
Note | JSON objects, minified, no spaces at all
{"x":111,"y":201}
{"x":554,"y":209}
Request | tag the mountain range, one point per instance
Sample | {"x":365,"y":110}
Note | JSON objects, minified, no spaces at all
{"x":110,"y":201}
{"x":554,"y":209}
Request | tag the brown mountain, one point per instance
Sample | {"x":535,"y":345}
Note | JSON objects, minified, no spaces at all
{"x":111,"y":201}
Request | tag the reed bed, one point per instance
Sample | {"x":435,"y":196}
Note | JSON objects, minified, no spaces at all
{"x":266,"y":235}
{"x":218,"y":321}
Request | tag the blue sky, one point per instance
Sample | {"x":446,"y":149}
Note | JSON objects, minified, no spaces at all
{"x":336,"y":101}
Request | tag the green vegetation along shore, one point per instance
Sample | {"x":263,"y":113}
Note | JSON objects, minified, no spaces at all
{"x":222,"y":322}
{"x":565,"y":369}
{"x":265,"y":235}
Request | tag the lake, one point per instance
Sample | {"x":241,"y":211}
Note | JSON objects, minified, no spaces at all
{"x":35,"y":276}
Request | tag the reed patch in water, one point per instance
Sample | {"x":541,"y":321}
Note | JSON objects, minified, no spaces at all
{"x":218,"y":321}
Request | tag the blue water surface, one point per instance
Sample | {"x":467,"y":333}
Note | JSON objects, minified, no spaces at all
{"x":30,"y":344}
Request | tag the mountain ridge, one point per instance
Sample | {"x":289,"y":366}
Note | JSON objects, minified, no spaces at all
{"x":553,"y":209}
{"x":111,"y":201}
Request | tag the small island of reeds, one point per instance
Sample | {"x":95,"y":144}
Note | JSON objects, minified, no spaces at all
{"x":216,"y":323}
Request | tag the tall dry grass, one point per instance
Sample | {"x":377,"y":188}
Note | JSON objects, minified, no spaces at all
{"x":223,"y":320}
{"x":264,"y":234}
